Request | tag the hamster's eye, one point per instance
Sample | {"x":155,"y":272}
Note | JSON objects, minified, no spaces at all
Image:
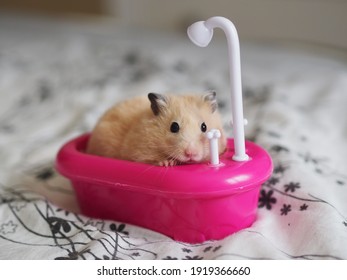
{"x":174,"y":128}
{"x":203,"y":127}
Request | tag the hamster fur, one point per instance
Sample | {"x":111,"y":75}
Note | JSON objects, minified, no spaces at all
{"x":158,"y":129}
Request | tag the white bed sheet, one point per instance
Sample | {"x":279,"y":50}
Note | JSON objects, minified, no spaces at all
{"x":56,"y":79}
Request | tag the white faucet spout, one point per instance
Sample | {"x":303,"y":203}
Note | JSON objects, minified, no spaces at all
{"x":201,"y":34}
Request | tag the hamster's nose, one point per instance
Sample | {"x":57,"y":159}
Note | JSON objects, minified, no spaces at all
{"x":190,"y":152}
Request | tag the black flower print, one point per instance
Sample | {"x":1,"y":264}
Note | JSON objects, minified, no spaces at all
{"x":291,"y":187}
{"x":193,"y":258}
{"x":217,"y":248}
{"x":186,"y":250}
{"x":207,"y":249}
{"x":169,"y":258}
{"x":266,"y":199}
{"x":272,"y":181}
{"x":286,"y":209}
{"x":279,"y":169}
{"x":303,"y":207}
{"x":119,"y":229}
{"x":279,"y":148}
{"x":56,"y":224}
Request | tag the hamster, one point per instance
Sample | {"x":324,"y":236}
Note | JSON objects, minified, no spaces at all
{"x":158,"y":129}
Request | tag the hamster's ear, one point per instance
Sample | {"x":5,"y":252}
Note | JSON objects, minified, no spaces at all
{"x":158,"y":102}
{"x":210,"y":97}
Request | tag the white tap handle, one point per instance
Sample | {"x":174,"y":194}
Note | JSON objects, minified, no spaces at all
{"x":213,"y":135}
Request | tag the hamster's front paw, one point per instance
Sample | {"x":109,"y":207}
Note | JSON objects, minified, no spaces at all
{"x":168,"y":162}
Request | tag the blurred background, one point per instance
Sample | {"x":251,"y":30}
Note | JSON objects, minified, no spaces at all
{"x":315,"y":21}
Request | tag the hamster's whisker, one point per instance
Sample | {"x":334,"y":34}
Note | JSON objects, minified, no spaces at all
{"x":150,"y":166}
{"x":175,"y":156}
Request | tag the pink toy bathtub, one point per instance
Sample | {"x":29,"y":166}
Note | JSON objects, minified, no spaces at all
{"x":190,"y":203}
